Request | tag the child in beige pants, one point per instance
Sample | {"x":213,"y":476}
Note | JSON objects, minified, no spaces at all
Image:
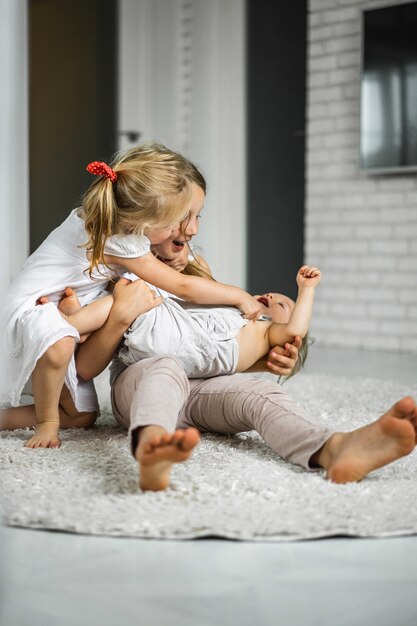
{"x":165,"y":412}
{"x":157,"y":390}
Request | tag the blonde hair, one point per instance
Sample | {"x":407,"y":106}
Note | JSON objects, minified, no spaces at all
{"x":195,"y":268}
{"x":153,"y":190}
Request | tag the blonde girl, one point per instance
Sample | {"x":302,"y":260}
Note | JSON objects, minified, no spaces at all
{"x":141,"y":199}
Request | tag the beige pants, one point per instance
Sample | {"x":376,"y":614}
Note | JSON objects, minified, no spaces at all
{"x":157,"y":392}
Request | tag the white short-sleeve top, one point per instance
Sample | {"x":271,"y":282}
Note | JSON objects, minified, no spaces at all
{"x":127,"y":246}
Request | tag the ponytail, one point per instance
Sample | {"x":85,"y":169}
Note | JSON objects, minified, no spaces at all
{"x":100,"y":219}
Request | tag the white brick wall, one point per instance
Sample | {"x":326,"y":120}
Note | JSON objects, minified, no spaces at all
{"x":360,"y":230}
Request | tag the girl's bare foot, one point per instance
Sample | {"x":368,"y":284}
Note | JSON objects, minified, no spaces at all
{"x":68,"y":305}
{"x":46,"y":436}
{"x":349,"y":457}
{"x":157,"y":452}
{"x":69,"y":302}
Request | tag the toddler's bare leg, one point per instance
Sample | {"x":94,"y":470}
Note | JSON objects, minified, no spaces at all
{"x":18,"y":417}
{"x":147,"y":397}
{"x":25,"y":416}
{"x":47,"y":381}
{"x":349,"y":457}
{"x":90,"y":317}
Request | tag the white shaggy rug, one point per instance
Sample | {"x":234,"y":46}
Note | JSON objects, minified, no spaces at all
{"x":233,"y":487}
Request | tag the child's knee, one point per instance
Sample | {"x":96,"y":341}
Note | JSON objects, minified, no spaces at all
{"x":170,"y":362}
{"x":60,"y":352}
{"x":171,"y":366}
{"x":164,"y":362}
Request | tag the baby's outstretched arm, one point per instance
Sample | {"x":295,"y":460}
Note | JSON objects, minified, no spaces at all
{"x":298,"y":324}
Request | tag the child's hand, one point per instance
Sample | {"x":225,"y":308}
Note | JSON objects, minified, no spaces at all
{"x":308,"y":276}
{"x":250,"y":307}
{"x":281,"y":360}
{"x":132,"y":299}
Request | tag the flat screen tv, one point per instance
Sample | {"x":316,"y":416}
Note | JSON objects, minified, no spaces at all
{"x":388,"y":136}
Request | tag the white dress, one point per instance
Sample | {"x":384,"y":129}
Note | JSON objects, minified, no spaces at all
{"x":28,"y":329}
{"x":203,"y":338}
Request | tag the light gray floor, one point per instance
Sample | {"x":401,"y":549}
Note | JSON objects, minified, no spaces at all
{"x":54,"y":579}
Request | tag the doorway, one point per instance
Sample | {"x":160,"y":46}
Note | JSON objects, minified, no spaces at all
{"x":276,"y":91}
{"x":72,"y":103}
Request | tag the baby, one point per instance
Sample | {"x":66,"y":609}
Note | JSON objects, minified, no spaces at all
{"x":213,"y":341}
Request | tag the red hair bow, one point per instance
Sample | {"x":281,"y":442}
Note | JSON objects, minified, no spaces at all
{"x":99,"y":168}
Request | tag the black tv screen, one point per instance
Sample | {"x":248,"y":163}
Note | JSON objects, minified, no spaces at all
{"x":388,"y":138}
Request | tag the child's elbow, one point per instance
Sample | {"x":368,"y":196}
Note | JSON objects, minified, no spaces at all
{"x":293,"y":332}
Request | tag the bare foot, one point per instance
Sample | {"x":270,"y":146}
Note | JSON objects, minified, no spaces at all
{"x":349,"y":457}
{"x":68,"y":305}
{"x":46,"y":436}
{"x":157,"y":452}
{"x":69,"y":302}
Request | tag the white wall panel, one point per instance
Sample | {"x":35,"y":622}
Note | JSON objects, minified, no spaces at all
{"x":14,"y":206}
{"x":182,"y":82}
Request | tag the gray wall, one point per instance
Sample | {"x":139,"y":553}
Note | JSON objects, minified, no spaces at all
{"x":276,"y":67}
